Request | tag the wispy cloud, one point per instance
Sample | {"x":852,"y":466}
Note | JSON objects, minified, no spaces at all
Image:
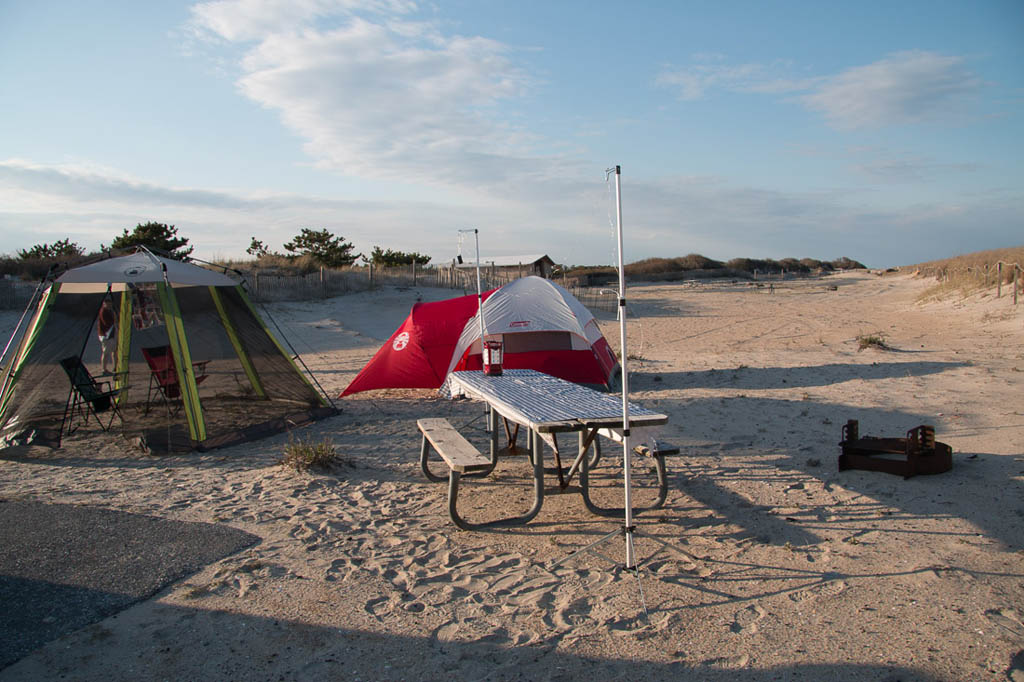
{"x":571,"y":218}
{"x":710,"y":73}
{"x":85,"y":184}
{"x":904,"y":87}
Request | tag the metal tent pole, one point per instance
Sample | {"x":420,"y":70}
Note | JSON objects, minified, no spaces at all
{"x":479,"y":291}
{"x":628,"y":527}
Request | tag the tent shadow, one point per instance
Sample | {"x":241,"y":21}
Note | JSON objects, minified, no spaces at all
{"x":163,"y":636}
{"x":786,"y":377}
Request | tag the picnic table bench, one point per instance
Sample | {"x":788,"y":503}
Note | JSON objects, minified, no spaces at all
{"x":462,"y":458}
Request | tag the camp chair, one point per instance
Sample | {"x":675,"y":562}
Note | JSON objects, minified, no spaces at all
{"x":163,"y":379}
{"x":89,"y":395}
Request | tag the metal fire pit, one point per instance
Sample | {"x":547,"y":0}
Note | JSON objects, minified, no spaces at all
{"x":918,"y":453}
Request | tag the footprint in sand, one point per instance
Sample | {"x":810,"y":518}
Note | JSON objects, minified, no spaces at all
{"x":729,"y":661}
{"x":745,"y":620}
{"x":829,"y":588}
{"x":1010,"y":620}
{"x":571,"y":616}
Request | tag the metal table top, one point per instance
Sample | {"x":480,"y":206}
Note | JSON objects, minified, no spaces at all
{"x":548,"y":404}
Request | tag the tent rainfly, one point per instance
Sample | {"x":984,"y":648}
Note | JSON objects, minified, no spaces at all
{"x":232,"y":380}
{"x":541,"y":325}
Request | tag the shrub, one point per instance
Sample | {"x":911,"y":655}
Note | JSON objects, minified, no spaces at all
{"x":872,"y":341}
{"x":303,"y":454}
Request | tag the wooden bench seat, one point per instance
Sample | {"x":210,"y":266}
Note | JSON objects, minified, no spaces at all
{"x":459,"y":454}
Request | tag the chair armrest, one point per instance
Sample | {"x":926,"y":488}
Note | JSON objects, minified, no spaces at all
{"x":107,"y":385}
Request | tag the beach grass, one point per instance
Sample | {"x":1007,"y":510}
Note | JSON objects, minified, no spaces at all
{"x":970,"y":274}
{"x":303,"y":454}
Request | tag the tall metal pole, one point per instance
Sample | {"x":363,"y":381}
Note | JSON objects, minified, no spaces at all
{"x":479,"y":296}
{"x":479,"y":291}
{"x":628,"y":528}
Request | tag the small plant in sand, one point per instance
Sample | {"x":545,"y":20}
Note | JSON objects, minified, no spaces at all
{"x":871,"y":341}
{"x":303,"y":454}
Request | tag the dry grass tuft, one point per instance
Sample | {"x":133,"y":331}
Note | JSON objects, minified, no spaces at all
{"x":876,"y":341}
{"x":303,"y":454}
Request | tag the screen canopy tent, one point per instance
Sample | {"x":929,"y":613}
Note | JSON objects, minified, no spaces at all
{"x":541,"y":326}
{"x":233,"y":380}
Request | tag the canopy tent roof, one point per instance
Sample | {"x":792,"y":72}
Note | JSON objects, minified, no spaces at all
{"x":141,"y":267}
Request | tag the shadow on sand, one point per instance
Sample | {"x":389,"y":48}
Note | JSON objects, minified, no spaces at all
{"x":191,"y":643}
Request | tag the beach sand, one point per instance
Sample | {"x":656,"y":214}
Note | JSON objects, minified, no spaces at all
{"x":766,"y":562}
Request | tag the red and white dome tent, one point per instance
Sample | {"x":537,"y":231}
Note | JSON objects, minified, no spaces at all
{"x":541,"y":326}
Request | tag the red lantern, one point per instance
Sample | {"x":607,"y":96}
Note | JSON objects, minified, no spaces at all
{"x":492,"y":358}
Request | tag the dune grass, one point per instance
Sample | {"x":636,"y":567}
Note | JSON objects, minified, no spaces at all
{"x":971,"y":273}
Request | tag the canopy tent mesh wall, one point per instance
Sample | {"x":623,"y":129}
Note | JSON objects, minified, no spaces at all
{"x":249,"y":386}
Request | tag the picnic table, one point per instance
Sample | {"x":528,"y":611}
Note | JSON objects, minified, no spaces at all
{"x":546,"y":406}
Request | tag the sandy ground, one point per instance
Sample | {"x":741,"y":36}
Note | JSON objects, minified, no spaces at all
{"x":766,"y":563}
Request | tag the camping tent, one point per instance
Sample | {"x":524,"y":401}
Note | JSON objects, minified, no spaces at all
{"x":542,"y":326}
{"x":228,"y":379}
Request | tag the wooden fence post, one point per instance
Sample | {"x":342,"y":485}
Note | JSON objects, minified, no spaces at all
{"x":999,"y":279}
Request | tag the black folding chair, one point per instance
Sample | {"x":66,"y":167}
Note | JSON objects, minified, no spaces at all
{"x":89,"y":395}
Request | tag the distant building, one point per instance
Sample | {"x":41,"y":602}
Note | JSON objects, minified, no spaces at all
{"x":536,"y":264}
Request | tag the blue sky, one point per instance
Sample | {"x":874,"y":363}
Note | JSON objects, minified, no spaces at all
{"x":886,"y":132}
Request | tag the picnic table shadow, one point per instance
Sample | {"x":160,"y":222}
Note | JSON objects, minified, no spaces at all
{"x":698,"y":486}
{"x":167,"y":638}
{"x":813,"y":452}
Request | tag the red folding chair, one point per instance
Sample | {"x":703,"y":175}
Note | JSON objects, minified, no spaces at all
{"x":163,"y":377}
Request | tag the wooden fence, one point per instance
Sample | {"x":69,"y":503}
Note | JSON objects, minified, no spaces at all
{"x":328,"y":282}
{"x":16,"y":294}
{"x":1018,"y":276}
{"x":998,"y":275}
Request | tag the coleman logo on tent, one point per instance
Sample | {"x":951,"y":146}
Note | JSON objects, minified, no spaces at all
{"x":135,"y":270}
{"x":401,"y":341}
{"x":519,"y":323}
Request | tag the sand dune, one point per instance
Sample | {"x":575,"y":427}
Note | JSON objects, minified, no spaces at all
{"x":765,"y":563}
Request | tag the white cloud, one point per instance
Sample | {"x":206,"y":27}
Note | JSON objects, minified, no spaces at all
{"x":379,"y":95}
{"x":905,"y":87}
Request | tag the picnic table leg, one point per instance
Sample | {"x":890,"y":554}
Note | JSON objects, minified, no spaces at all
{"x":424,"y":451}
{"x":659,"y":463}
{"x":538,"y":500}
{"x":587,"y":437}
{"x":494,"y":436}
